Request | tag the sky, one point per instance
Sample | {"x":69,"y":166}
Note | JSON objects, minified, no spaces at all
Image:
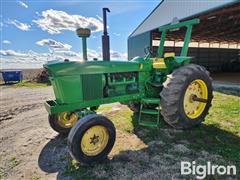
{"x":36,"y":31}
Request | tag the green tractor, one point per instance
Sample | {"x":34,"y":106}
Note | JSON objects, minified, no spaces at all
{"x":167,"y":87}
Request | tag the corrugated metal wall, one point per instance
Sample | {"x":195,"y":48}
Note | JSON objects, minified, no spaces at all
{"x":137,"y":44}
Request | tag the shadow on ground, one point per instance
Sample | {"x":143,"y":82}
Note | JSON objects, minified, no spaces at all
{"x":160,"y":159}
{"x":54,"y":156}
{"x":8,"y":83}
{"x":229,"y":89}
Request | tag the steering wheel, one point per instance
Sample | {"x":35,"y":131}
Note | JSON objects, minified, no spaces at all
{"x":148,"y":51}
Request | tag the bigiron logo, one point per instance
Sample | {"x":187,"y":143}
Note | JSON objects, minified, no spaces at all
{"x":201,"y":171}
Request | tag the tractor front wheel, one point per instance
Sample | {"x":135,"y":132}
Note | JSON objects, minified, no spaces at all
{"x":62,"y":122}
{"x":186,"y":96}
{"x":91,"y":139}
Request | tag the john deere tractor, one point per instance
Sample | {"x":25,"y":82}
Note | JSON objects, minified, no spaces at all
{"x":167,"y":87}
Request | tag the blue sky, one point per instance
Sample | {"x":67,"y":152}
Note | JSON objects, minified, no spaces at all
{"x":33,"y":32}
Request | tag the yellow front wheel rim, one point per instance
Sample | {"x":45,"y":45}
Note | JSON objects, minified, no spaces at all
{"x":66,"y":119}
{"x":94,"y":140}
{"x":198,"y":88}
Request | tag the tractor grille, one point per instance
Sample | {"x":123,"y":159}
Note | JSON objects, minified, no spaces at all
{"x":92,"y":86}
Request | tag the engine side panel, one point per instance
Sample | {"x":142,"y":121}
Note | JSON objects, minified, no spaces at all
{"x":92,"y":86}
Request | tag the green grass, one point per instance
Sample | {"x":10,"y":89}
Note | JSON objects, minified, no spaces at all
{"x":220,"y":132}
{"x":225,"y":113}
{"x":223,"y":123}
{"x":28,"y":84}
{"x":122,"y":121}
{"x":218,"y":135}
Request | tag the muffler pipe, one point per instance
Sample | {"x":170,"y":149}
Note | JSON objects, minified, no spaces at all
{"x":105,"y":37}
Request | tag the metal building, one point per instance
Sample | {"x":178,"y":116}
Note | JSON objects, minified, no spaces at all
{"x":215,"y":42}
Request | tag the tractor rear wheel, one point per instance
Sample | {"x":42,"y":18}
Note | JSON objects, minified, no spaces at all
{"x":62,"y":122}
{"x":186,"y":96}
{"x":91,"y":139}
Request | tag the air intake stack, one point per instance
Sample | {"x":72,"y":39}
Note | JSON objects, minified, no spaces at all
{"x":84,"y":33}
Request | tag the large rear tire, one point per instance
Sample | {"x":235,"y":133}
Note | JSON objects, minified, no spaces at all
{"x":91,"y":139}
{"x":186,"y":96}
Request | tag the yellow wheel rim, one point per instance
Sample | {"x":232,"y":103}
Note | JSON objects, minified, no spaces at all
{"x":197,"y":88}
{"x":94,"y":140}
{"x":66,"y":119}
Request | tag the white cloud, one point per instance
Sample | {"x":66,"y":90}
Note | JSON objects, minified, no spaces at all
{"x":32,"y":59}
{"x":114,"y":55}
{"x":53,"y":44}
{"x":117,"y":34}
{"x":23,"y":4}
{"x":117,"y":55}
{"x":94,"y":54}
{"x":19,"y":25}
{"x":16,"y":59}
{"x":6,"y":42}
{"x":10,"y":52}
{"x":54,"y":22}
{"x":1,"y":26}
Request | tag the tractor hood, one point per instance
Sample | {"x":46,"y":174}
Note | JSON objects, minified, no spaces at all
{"x":90,"y":67}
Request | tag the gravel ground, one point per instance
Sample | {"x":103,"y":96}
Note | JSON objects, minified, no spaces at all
{"x":24,"y":131}
{"x":30,"y":149}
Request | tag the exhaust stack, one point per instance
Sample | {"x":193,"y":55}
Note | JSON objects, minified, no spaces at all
{"x":105,"y":37}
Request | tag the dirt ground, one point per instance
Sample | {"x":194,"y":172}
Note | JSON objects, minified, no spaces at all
{"x":24,"y":131}
{"x":30,"y":149}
